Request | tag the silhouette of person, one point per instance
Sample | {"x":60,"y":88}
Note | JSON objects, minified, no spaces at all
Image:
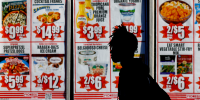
{"x":135,"y":83}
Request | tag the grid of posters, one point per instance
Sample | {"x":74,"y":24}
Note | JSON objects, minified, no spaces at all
{"x":177,"y":46}
{"x":95,"y":75}
{"x":32,"y":50}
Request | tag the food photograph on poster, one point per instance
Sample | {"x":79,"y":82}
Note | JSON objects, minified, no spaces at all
{"x":33,"y":55}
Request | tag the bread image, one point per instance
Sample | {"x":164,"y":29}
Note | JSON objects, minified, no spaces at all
{"x":43,"y":19}
{"x":39,"y":17}
{"x":50,"y":19}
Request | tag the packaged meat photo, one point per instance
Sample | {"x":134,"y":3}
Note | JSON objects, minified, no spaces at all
{"x":10,"y":64}
{"x":48,"y":22}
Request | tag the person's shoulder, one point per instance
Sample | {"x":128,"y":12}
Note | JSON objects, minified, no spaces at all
{"x":141,"y":64}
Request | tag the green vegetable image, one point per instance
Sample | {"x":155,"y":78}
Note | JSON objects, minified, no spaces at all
{"x":4,"y":10}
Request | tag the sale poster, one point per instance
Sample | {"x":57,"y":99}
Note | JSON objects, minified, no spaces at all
{"x":33,"y":50}
{"x":95,"y":75}
{"x":177,"y":46}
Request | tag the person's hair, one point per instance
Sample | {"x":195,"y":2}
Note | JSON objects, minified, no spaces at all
{"x":121,"y":37}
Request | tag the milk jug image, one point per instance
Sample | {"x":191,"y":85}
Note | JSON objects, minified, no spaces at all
{"x":81,"y":18}
{"x":89,"y":10}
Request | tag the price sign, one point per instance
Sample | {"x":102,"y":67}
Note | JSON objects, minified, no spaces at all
{"x":175,"y":32}
{"x":93,"y":82}
{"x":14,"y":32}
{"x":11,"y":80}
{"x":48,"y":81}
{"x":176,"y":82}
{"x":14,"y":81}
{"x":92,"y":32}
{"x":48,"y":31}
{"x":132,"y":28}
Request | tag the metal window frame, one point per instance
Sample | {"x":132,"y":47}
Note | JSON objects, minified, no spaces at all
{"x":152,"y":38}
{"x":68,"y":47}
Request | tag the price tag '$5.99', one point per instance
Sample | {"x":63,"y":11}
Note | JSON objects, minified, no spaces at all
{"x":12,"y":80}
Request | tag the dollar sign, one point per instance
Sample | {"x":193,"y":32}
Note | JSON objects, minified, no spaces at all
{"x":175,"y":80}
{"x":175,"y":30}
{"x":6,"y":81}
{"x":84,"y":30}
{"x":45,"y":79}
{"x":92,"y":79}
{"x":7,"y":29}
{"x":38,"y":29}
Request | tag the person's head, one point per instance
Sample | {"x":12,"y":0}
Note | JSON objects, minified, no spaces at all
{"x":123,"y":44}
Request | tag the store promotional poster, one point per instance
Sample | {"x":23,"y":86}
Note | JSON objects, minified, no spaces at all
{"x":177,"y":43}
{"x":95,"y":75}
{"x":32,"y":50}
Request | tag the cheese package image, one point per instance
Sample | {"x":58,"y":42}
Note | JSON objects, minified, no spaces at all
{"x":98,"y":68}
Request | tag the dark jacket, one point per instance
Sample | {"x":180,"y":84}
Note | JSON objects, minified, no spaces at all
{"x":135,"y":82}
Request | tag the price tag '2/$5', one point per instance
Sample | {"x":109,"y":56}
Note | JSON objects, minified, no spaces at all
{"x":175,"y":32}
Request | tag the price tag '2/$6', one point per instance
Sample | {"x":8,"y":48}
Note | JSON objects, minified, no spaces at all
{"x":92,"y":80}
{"x":175,"y":80}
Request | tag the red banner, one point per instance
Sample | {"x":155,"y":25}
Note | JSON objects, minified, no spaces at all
{"x":176,"y":82}
{"x":93,"y":82}
{"x":48,"y":31}
{"x":14,"y":32}
{"x":92,"y":32}
{"x":14,"y":81}
{"x":175,"y":32}
{"x":48,"y":81}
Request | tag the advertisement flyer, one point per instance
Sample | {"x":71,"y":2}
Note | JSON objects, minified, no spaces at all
{"x":95,"y":75}
{"x":177,"y":46}
{"x":32,"y":50}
